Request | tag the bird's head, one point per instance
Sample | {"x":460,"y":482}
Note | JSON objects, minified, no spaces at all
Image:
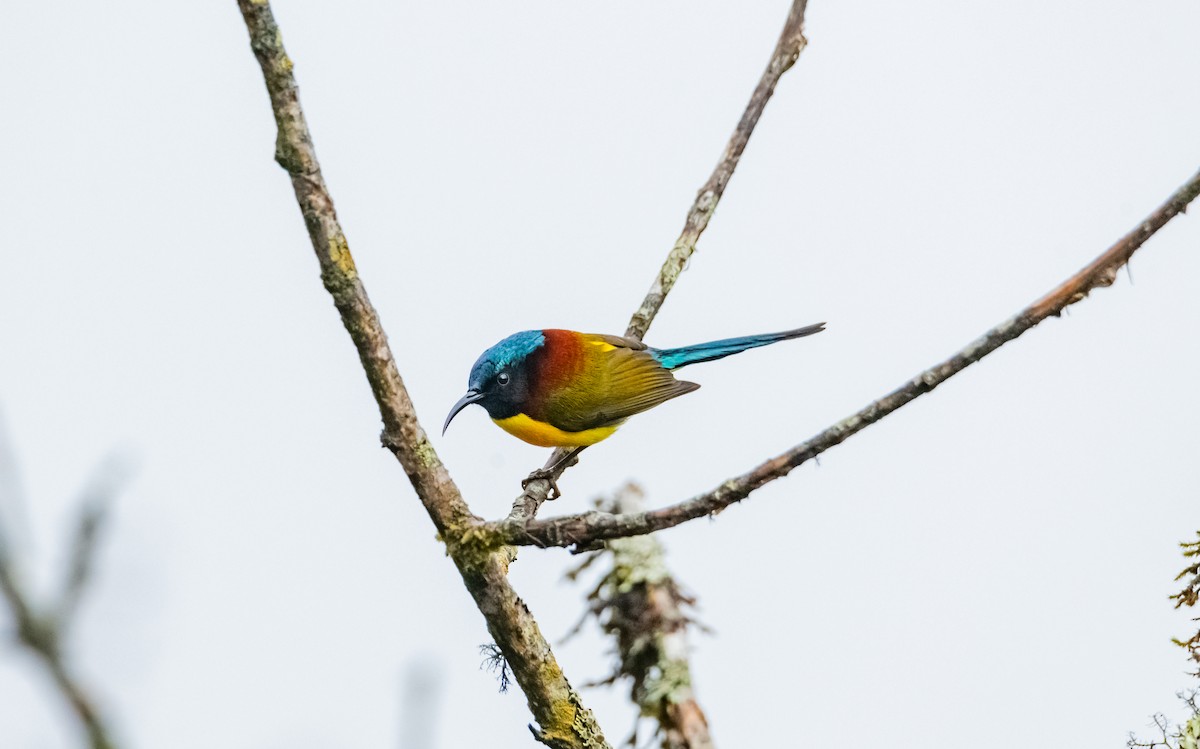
{"x":500,"y":380}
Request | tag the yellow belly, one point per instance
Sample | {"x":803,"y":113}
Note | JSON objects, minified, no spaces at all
{"x":546,"y":435}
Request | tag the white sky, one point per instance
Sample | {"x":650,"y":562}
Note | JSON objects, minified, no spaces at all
{"x":991,"y":563}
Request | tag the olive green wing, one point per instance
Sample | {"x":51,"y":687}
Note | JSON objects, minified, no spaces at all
{"x":622,"y":379}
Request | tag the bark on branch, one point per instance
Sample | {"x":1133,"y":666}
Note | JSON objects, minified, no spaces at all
{"x":787,"y":50}
{"x":584,"y":530}
{"x":562,"y":718}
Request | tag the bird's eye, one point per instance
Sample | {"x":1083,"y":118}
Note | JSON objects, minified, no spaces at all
{"x":503,"y":378}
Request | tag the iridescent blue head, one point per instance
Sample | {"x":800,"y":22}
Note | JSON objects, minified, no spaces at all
{"x":497,"y":381}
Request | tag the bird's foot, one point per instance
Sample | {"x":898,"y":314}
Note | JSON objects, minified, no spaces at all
{"x":544,"y":474}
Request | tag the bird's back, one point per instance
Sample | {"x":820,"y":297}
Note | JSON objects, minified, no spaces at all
{"x":583,"y":381}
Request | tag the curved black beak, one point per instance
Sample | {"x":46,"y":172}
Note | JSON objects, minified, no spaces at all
{"x":472,"y":396}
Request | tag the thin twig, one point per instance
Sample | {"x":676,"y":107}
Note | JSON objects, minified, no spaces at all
{"x":93,"y":514}
{"x":562,"y":718}
{"x":585,"y":529}
{"x":787,"y":50}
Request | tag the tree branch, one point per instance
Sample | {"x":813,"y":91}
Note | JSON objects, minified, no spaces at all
{"x":787,"y":50}
{"x":563,"y":720}
{"x":585,"y":529}
{"x":89,"y":525}
{"x":40,"y":635}
{"x":40,"y":631}
{"x":639,"y":603}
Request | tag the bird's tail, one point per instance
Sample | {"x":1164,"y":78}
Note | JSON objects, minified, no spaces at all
{"x":674,"y":358}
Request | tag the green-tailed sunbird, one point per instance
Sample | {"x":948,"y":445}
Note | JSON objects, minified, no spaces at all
{"x":559,"y":388}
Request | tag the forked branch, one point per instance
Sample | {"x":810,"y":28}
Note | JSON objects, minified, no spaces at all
{"x":41,"y":628}
{"x":585,"y":529}
{"x":787,"y":50}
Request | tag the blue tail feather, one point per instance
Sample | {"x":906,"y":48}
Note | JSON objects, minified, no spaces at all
{"x":674,"y":358}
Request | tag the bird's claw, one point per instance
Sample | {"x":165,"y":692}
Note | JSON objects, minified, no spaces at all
{"x":542,"y":474}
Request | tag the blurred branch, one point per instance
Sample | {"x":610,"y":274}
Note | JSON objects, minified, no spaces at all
{"x":584,"y":529}
{"x":13,"y":521}
{"x":563,"y":719}
{"x":40,"y":631}
{"x":787,"y":50}
{"x":93,"y":514}
{"x":639,"y":603}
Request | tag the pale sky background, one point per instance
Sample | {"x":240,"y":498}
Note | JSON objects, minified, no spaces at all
{"x":991,"y":564}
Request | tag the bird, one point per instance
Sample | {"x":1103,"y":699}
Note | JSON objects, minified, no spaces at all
{"x":560,"y":388}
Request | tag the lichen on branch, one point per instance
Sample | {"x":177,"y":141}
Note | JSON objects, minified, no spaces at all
{"x":640,"y":605}
{"x":1190,"y":595}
